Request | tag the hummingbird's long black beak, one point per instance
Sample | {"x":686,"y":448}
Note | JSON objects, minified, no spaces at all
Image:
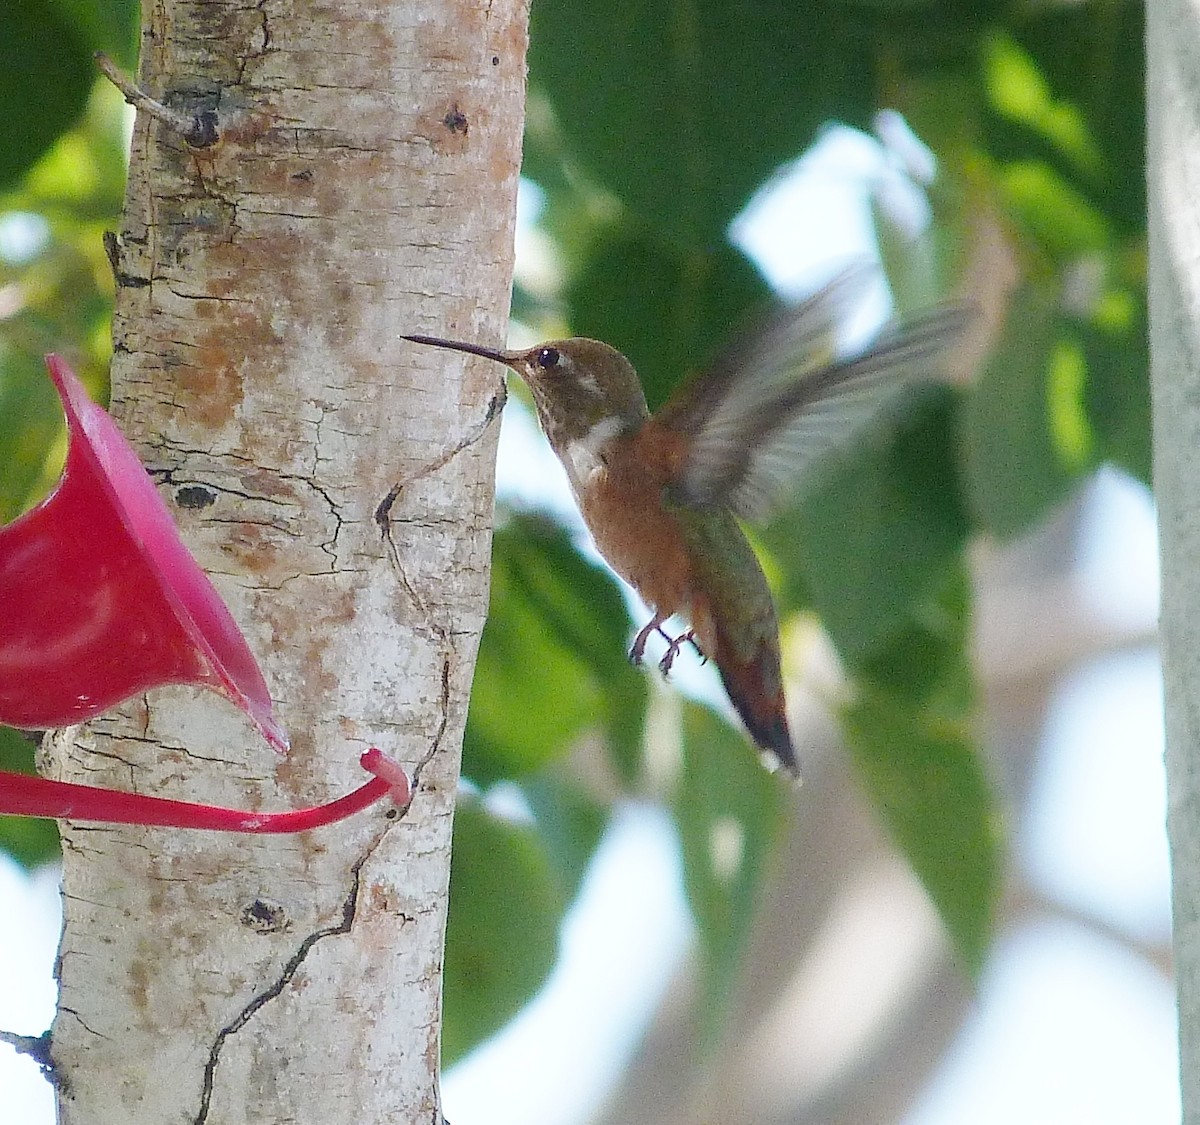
{"x":457,"y":346}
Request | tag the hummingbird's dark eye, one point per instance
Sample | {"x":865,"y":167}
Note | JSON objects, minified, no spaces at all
{"x":548,"y":357}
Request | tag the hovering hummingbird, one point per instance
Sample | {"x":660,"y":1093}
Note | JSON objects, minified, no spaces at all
{"x":662,"y":493}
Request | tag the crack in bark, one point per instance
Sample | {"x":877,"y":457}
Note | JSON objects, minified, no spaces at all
{"x":442,"y":634}
{"x":177,"y":479}
{"x":86,"y":760}
{"x":349,"y":912}
{"x":436,"y":744}
{"x":330,"y":544}
{"x":290,"y":969}
{"x":398,"y":566}
{"x":256,"y":53}
{"x":495,"y":406}
{"x":63,"y":1010}
{"x":383,"y":513}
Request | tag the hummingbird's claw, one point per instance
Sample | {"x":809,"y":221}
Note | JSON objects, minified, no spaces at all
{"x":638,"y":650}
{"x":674,"y":644}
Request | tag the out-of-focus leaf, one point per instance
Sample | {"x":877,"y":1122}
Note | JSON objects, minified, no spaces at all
{"x":1118,"y":391}
{"x":39,"y":51}
{"x":570,"y":823}
{"x":728,"y":811}
{"x":1015,"y":467}
{"x":575,"y":207}
{"x":668,"y":310}
{"x":1065,"y":88}
{"x":920,"y":269}
{"x":532,"y":695}
{"x":79,"y":183}
{"x":1054,"y":213}
{"x":105,"y":25}
{"x":502,"y":929}
{"x":939,"y":19}
{"x":552,"y":662}
{"x":879,"y":528}
{"x":30,"y":421}
{"x":59,"y":294}
{"x":29,"y":840}
{"x":683,"y":113}
{"x":1018,"y":90}
{"x":942,"y":106}
{"x":1094,"y":58}
{"x":912,"y":734}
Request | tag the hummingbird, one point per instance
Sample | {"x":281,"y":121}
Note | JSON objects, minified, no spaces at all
{"x":662,"y":494}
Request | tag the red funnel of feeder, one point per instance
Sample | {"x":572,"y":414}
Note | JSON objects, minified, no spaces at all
{"x":99,"y":598}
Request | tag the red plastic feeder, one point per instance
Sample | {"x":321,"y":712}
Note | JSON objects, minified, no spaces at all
{"x":99,"y":601}
{"x":99,"y":598}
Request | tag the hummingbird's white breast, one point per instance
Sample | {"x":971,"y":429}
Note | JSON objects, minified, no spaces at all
{"x":583,"y":457}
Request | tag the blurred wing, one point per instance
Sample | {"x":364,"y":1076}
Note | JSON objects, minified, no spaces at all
{"x":767,"y":426}
{"x":759,"y":367}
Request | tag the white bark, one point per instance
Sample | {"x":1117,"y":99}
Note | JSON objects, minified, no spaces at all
{"x":365,"y":186}
{"x":1174,"y":191}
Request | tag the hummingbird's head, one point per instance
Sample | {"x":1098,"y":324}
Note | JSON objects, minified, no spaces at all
{"x":576,"y":383}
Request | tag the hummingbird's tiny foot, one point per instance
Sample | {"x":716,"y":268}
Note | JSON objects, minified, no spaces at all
{"x":674,"y":644}
{"x":638,"y":651}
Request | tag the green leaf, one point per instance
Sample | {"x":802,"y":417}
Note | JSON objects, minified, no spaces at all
{"x":1117,"y":394}
{"x":552,"y":663}
{"x":502,"y":927}
{"x":79,"y":183}
{"x":31,"y":422}
{"x":880,"y":527}
{"x":111,"y":26}
{"x":1015,"y":463}
{"x":62,"y":294}
{"x":29,"y":840}
{"x":39,"y":51}
{"x":1055,"y":214}
{"x":1093,"y":57}
{"x":570,"y":823}
{"x":1018,"y":90}
{"x":728,"y":811}
{"x":912,"y":734}
{"x":666,"y":308}
{"x":683,"y":111}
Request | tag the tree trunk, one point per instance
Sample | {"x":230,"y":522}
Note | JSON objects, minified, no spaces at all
{"x":1173,"y":106}
{"x":336,"y":483}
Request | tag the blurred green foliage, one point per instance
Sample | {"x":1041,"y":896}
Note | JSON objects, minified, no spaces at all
{"x":649,"y":128}
{"x":728,"y":813}
{"x":554,"y":612}
{"x":502,"y":934}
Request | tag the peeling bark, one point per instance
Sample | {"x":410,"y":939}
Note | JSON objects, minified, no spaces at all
{"x":336,"y":483}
